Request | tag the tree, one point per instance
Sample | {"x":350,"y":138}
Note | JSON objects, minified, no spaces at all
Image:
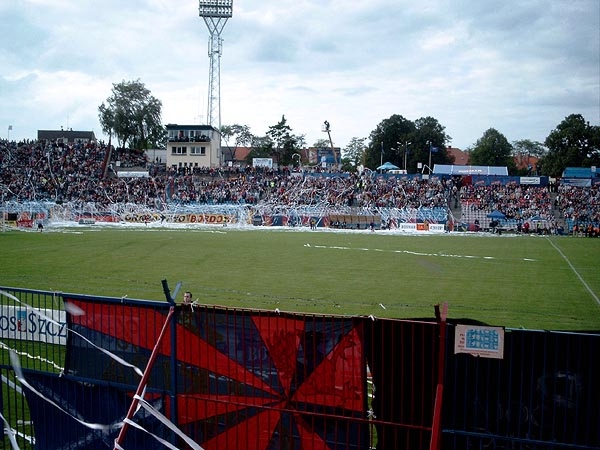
{"x":285,"y":144}
{"x":261,"y":147}
{"x":387,"y":141}
{"x":430,"y":141}
{"x":354,"y":154}
{"x":403,"y":142}
{"x":322,"y":143}
{"x":573,"y":143}
{"x":524,"y":149}
{"x":239,"y":134}
{"x":133,"y":115}
{"x":493,"y":149}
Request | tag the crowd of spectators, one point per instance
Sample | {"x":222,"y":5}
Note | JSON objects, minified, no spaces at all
{"x":36,"y":171}
{"x":33,"y":171}
{"x":290,"y":188}
{"x":515,"y":201}
{"x":579,"y":205}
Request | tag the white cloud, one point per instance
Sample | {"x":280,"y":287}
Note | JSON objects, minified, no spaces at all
{"x":519,"y":66}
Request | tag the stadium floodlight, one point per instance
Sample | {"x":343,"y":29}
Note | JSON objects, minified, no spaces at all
{"x":215,"y":14}
{"x":216,"y":8}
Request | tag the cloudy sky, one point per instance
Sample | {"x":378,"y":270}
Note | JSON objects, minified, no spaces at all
{"x":519,"y":66}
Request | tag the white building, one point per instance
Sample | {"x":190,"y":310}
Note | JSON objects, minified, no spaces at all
{"x":193,"y":146}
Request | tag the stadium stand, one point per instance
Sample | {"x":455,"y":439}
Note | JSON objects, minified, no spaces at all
{"x":38,"y":171}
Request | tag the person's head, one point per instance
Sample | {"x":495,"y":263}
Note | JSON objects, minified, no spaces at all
{"x":187,"y":298}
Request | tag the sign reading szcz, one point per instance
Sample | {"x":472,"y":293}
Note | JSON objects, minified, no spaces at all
{"x":28,"y":324}
{"x":487,"y":342}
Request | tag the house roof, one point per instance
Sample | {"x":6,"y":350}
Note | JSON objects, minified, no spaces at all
{"x":461,"y":158}
{"x":240,"y":153}
{"x":175,"y":126}
{"x":523,"y":162}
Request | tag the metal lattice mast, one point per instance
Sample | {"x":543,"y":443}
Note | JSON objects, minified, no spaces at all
{"x":215,"y":14}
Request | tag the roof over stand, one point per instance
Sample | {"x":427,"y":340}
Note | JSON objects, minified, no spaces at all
{"x":448,"y":169}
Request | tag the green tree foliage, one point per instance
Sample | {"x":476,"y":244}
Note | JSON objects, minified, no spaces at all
{"x":354,"y":154}
{"x":493,"y":149}
{"x":285,"y":144}
{"x":261,"y":147}
{"x":573,"y":143}
{"x":235,"y":136}
{"x":386,"y":141}
{"x":133,"y":115}
{"x":523,"y":150}
{"x":430,"y":135}
{"x":400,"y":138}
{"x":322,"y":143}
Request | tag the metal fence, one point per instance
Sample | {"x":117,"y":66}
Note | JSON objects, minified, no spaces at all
{"x":222,"y":378}
{"x":543,"y":394}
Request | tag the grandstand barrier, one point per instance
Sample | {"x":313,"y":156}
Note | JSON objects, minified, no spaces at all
{"x":235,"y":378}
{"x":410,"y":220}
{"x":421,"y":227}
{"x":241,"y":215}
{"x":353,"y":221}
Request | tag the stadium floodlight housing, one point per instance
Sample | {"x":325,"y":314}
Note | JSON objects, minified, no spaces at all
{"x":216,"y":8}
{"x":215,"y":14}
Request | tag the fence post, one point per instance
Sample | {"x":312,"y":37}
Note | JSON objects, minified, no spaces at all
{"x":174,"y":389}
{"x":436,"y":428}
{"x":143,"y":381}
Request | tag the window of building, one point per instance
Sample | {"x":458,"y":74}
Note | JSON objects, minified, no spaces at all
{"x":178,"y":151}
{"x":198,"y":151}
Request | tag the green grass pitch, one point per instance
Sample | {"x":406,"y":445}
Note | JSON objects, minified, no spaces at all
{"x":535,"y":282}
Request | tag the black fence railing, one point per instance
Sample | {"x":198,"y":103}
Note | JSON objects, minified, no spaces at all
{"x":544,"y":394}
{"x":223,"y":378}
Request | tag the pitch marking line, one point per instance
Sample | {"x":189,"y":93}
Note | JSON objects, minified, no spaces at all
{"x":592,"y":293}
{"x":444,"y":255}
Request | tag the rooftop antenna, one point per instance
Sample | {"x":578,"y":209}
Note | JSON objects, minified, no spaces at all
{"x":215,"y":14}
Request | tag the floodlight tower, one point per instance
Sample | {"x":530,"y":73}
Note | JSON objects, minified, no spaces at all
{"x":215,"y":14}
